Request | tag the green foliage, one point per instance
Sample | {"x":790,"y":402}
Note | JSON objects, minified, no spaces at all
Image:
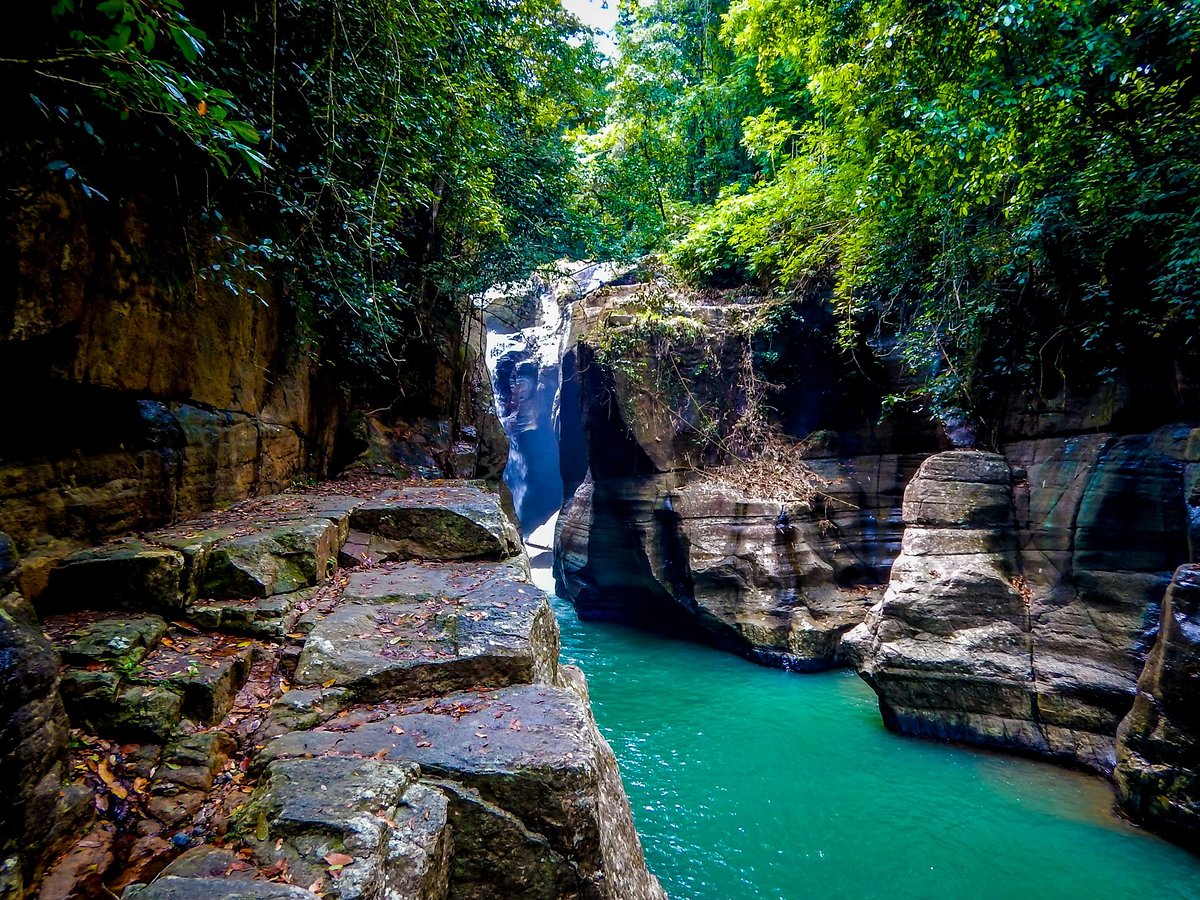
{"x":671,"y":135}
{"x":148,"y":59}
{"x":954,"y":169}
{"x":401,"y":156}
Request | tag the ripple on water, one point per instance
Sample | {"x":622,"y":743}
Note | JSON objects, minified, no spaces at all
{"x":748,"y":782}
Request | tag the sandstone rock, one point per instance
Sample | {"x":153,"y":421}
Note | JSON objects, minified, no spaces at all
{"x":127,"y":575}
{"x":33,"y":736}
{"x":948,"y":647}
{"x":207,"y":861}
{"x":120,"y":641}
{"x":498,"y":634}
{"x":1027,"y":632}
{"x":196,"y":543}
{"x":277,"y":559}
{"x":270,"y":618}
{"x":80,"y":872}
{"x":143,"y":712}
{"x":362,"y":549}
{"x":457,"y":520}
{"x":186,"y":774}
{"x":531,"y":751}
{"x":706,"y":556}
{"x":495,"y":855}
{"x":1158,"y":744}
{"x":1102,"y":522}
{"x":205,"y":670}
{"x":392,"y":830}
{"x":298,"y":710}
{"x":426,"y":581}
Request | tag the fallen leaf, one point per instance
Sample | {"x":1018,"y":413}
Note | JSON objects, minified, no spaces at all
{"x":338,"y":859}
{"x":106,"y":775}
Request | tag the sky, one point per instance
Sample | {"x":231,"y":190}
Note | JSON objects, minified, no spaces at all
{"x":594,"y":14}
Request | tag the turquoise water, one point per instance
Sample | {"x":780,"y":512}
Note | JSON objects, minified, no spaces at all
{"x":748,"y":782}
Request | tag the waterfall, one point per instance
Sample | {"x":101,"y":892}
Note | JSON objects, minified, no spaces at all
{"x":528,"y":333}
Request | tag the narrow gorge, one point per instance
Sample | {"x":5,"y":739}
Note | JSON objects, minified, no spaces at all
{"x":579,"y":450}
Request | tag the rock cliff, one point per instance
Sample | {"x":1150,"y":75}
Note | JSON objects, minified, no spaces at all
{"x":1158,"y":743}
{"x":661,"y":533}
{"x":1021,"y":608}
{"x":1009,"y":599}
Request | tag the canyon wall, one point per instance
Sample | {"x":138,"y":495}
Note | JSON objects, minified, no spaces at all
{"x":148,"y":380}
{"x":1008,"y":599}
{"x":140,"y":390}
{"x":657,"y":534}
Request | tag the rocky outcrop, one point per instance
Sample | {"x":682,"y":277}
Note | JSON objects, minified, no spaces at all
{"x":948,"y":648}
{"x":1158,"y":744}
{"x":658,"y":533}
{"x":148,"y":393}
{"x":400,"y":729}
{"x":33,"y":743}
{"x":1021,"y":609}
{"x":147,"y":389}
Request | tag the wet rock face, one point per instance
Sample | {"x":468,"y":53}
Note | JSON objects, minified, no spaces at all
{"x":33,"y":741}
{"x":1158,"y":744}
{"x":709,"y":557}
{"x":1019,"y":614}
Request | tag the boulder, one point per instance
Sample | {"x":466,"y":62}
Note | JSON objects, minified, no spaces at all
{"x":1158,"y":744}
{"x":276,"y":559}
{"x":363,"y":828}
{"x":497,"y":634}
{"x":205,"y":670}
{"x":447,"y":521}
{"x":130,"y":575}
{"x":531,"y":752}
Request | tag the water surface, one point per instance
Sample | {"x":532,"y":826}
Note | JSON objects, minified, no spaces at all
{"x":748,"y":782}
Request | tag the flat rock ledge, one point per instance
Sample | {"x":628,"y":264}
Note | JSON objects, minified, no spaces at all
{"x":339,"y":694}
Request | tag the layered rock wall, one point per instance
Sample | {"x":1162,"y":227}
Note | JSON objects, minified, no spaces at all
{"x":1025,"y":599}
{"x":1158,"y":743}
{"x":141,"y":389}
{"x":656,"y":535}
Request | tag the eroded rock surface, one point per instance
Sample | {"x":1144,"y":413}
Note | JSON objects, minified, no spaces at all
{"x":526,"y":769}
{"x":1158,"y":744}
{"x":1021,"y":608}
{"x":186,"y":651}
{"x":33,"y":743}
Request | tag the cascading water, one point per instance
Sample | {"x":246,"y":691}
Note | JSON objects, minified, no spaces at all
{"x":749,"y":782}
{"x":528,"y":328}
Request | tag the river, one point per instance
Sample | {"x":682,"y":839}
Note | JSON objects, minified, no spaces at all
{"x":749,"y":782}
